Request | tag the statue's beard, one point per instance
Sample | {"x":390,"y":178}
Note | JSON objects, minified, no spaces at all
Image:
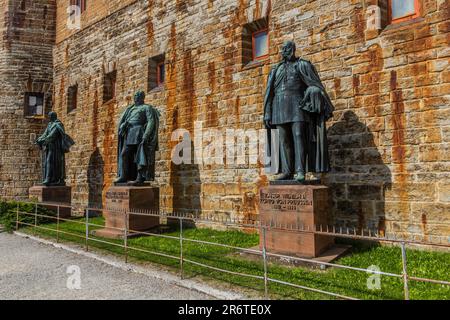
{"x":288,"y":56}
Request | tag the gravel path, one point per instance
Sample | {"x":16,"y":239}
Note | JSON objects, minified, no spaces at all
{"x":30,"y":270}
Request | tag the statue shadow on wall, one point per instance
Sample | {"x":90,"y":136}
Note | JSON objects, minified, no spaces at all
{"x":186,"y":183}
{"x":95,"y":176}
{"x":359,"y":177}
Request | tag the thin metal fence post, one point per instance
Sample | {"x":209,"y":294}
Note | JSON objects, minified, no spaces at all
{"x":57,"y":225}
{"x":17,"y":218}
{"x":264,"y":253}
{"x":87,"y":230}
{"x":35,"y":219}
{"x":125,"y":236}
{"x":181,"y":250}
{"x":405,"y":271}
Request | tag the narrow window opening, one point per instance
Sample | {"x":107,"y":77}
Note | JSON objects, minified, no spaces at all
{"x":156,"y":72}
{"x":260,"y":44}
{"x":80,"y":3}
{"x":72,"y":98}
{"x":34,"y":104}
{"x":255,"y":41}
{"x":109,"y":86}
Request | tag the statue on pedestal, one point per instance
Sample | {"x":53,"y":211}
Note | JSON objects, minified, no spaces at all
{"x":54,"y":143}
{"x":298,"y":106}
{"x":138,"y":143}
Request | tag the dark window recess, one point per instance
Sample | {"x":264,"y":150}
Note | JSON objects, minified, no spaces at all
{"x":109,"y":86}
{"x":161,"y":72}
{"x":72,"y":98}
{"x":34,"y":104}
{"x":255,"y":41}
{"x":80,"y":3}
{"x":384,"y":12}
{"x":156,"y":72}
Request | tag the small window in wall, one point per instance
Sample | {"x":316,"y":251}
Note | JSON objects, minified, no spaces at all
{"x":80,"y":3}
{"x":260,"y":44}
{"x":72,"y":98}
{"x":109,"y":86}
{"x":34,"y":104}
{"x":403,"y":10}
{"x":156,"y":72}
{"x":255,"y":41}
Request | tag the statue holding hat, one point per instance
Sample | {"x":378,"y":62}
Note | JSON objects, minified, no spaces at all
{"x":297,"y":105}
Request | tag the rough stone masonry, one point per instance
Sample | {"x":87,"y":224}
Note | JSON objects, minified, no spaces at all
{"x":389,"y":137}
{"x":27,"y":39}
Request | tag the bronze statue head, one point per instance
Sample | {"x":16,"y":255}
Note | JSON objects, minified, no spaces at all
{"x":139,"y":98}
{"x":53,"y":116}
{"x":288,"y":51}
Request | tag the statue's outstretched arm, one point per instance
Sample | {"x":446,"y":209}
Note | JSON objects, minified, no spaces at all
{"x":52,"y":134}
{"x":41,"y":139}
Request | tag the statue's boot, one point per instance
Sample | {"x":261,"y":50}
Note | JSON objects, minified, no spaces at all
{"x":300,"y":177}
{"x":139,"y":181}
{"x":120,"y":180}
{"x":284,"y":176}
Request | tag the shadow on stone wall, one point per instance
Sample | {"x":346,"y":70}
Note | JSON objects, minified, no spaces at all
{"x":95,"y":177}
{"x":359,"y":177}
{"x":186,"y":183}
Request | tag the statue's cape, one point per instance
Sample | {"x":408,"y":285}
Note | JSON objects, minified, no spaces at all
{"x":144,"y":157}
{"x":321,"y":110}
{"x":66,"y":142}
{"x":56,"y":140}
{"x":312,"y":79}
{"x":56,"y":128}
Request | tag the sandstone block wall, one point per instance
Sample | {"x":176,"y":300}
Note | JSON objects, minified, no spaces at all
{"x":389,"y":136}
{"x":27,"y":31}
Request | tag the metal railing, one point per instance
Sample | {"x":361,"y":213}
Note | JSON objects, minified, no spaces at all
{"x":189,"y":219}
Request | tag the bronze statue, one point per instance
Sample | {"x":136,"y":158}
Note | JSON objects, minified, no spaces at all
{"x":298,"y":106}
{"x":54,"y":143}
{"x":138,"y":142}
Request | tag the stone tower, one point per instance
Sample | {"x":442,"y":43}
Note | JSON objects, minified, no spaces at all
{"x":27,"y":37}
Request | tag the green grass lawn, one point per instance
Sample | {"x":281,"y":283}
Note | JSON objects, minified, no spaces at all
{"x":434,"y":265}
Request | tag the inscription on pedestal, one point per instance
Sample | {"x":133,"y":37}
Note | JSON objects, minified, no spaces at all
{"x":117,"y":200}
{"x":117,"y":195}
{"x":121,"y":200}
{"x":285,"y":201}
{"x":300,"y":207}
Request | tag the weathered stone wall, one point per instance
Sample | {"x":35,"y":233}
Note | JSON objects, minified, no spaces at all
{"x":97,"y":10}
{"x":27,"y":31}
{"x":389,"y":137}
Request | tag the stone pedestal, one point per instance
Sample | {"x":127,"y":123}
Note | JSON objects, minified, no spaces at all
{"x":123,"y":199}
{"x":299,"y":207}
{"x":52,"y":197}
